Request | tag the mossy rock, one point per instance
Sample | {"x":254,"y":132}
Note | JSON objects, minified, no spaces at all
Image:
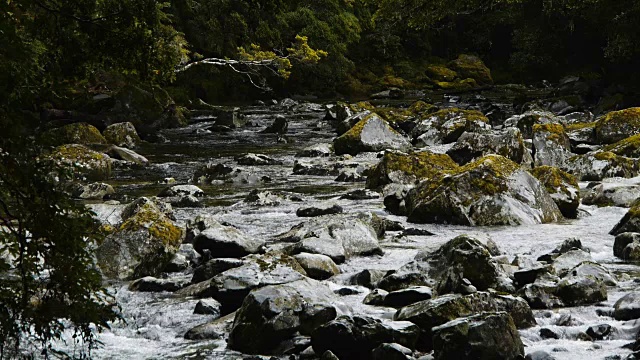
{"x":630,"y":222}
{"x":457,"y":85}
{"x":83,"y":161}
{"x":408,"y":168}
{"x":508,"y":143}
{"x":469,"y":66}
{"x":122,"y":134}
{"x":618,"y":125}
{"x":77,"y":133}
{"x":394,"y":115}
{"x":629,"y":147}
{"x":563,"y":188}
{"x":441,"y":73}
{"x":596,"y":166}
{"x":371,"y":133}
{"x":527,"y":120}
{"x":488,"y":191}
{"x":447,"y":125}
{"x":421,"y":108}
{"x":143,"y":244}
{"x":552,"y":146}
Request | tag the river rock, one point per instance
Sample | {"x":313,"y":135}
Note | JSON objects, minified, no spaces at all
{"x":492,"y":190}
{"x":627,"y":307}
{"x":93,"y":191}
{"x":319,"y":267}
{"x":317,"y":150}
{"x":322,"y":169}
{"x":375,"y":297}
{"x":229,"y":117}
{"x":208,"y":307}
{"x":577,"y":290}
{"x":122,"y":134}
{"x":527,"y":120}
{"x":360,"y":194}
{"x":570,"y":259}
{"x":355,"y":337}
{"x":596,"y":166}
{"x":320,"y":210}
{"x":551,"y":145}
{"x":370,"y":134}
{"x":482,"y":336}
{"x":128,"y":155}
{"x":471,"y":67}
{"x":257,"y":160}
{"x":181,"y":190}
{"x":280,"y":126}
{"x":563,"y":188}
{"x":214,"y":267}
{"x":143,"y":244}
{"x":626,"y":246}
{"x":222,"y":241}
{"x":85,"y":162}
{"x":629,"y":147}
{"x":391,"y":351}
{"x":539,"y":355}
{"x":152,"y":284}
{"x":231,"y":286}
{"x":630,"y":222}
{"x":337,"y":236}
{"x":408,"y":296}
{"x":608,"y":194}
{"x":274,"y":314}
{"x":430,"y":313}
{"x":76,"y":133}
{"x":508,"y":143}
{"x":368,"y":278}
{"x":447,"y":125}
{"x":401,"y":168}
{"x":618,"y":125}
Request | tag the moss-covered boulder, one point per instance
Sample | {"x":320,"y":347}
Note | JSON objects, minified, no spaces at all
{"x":618,"y":125}
{"x":492,"y":190}
{"x":83,"y":162}
{"x":447,"y":125}
{"x":142,"y":245}
{"x":595,"y":166}
{"x":148,"y":109}
{"x":527,"y":120}
{"x":563,"y":188}
{"x":471,"y":67}
{"x":551,"y":145}
{"x":481,"y":336}
{"x":370,"y":134}
{"x":122,"y":134}
{"x":397,"y":167}
{"x":440,"y":73}
{"x":76,"y":133}
{"x":629,"y":147}
{"x":581,"y":133}
{"x":508,"y":143}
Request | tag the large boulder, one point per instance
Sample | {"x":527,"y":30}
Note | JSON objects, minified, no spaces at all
{"x":220,"y":241}
{"x":143,"y":244}
{"x":617,"y":125}
{"x":612,"y":194}
{"x":629,"y":147}
{"x":84,"y":161}
{"x":563,"y":188}
{"x":483,"y":336}
{"x":471,"y":67}
{"x":626,"y":246}
{"x":397,"y":167}
{"x":231,"y":286}
{"x":319,"y":267}
{"x":356,"y":337}
{"x":507,"y":143}
{"x":447,"y":125}
{"x":627,"y":307}
{"x":630,"y":222}
{"x":431,"y":313}
{"x":76,"y":133}
{"x":371,"y":133}
{"x":527,"y":120}
{"x":122,"y":134}
{"x":492,"y":190}
{"x":595,"y":166}
{"x":551,"y":145}
{"x":272,"y":315}
{"x":336,"y":236}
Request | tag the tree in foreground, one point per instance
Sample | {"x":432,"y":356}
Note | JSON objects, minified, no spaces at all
{"x":48,"y":281}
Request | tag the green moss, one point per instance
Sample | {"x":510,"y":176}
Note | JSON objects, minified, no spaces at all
{"x":95,"y":165}
{"x":77,"y":133}
{"x":617,"y":125}
{"x":468,"y":66}
{"x":441,"y":73}
{"x":470,"y":115}
{"x":422,"y":108}
{"x":629,"y":147}
{"x":554,"y":179}
{"x":393,"y":115}
{"x":580,"y":126}
{"x":457,"y":85}
{"x":158,"y":225}
{"x":555,"y":131}
{"x":421,"y":165}
{"x":121,"y":134}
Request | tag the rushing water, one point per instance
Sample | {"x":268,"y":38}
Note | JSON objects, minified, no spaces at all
{"x":156,"y":322}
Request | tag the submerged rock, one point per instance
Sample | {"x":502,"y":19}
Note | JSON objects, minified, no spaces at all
{"x":181,"y":190}
{"x":490,"y":191}
{"x":369,"y":134}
